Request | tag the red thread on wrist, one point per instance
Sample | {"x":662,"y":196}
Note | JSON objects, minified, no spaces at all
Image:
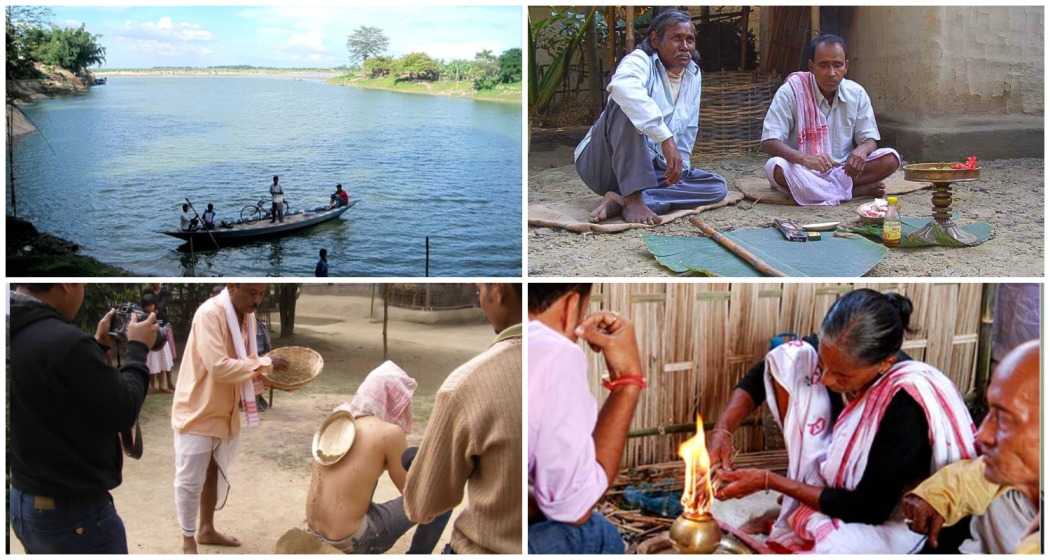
{"x":624,"y":380}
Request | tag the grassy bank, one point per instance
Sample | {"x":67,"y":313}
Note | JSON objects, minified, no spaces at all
{"x":504,"y":93}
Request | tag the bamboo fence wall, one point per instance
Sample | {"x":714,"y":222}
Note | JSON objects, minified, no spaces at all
{"x":698,"y":340}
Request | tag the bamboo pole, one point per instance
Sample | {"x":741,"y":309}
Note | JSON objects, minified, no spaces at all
{"x":814,"y":21}
{"x":629,"y":28}
{"x":610,"y":26}
{"x":989,"y":299}
{"x":745,"y":13}
{"x":755,"y":262}
{"x":386,"y":299}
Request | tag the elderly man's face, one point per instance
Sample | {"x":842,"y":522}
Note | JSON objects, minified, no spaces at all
{"x":246,"y":298}
{"x":1009,"y":435}
{"x":676,"y":46}
{"x":828,"y":66}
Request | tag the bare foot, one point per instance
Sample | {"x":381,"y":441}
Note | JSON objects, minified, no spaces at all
{"x":609,"y":208}
{"x":635,"y":211}
{"x":876,"y":190}
{"x":216,"y":538}
{"x":189,"y":545}
{"x":762,"y":524}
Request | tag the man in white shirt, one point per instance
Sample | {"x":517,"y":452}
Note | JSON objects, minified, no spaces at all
{"x":636,"y":155}
{"x":277,"y":209}
{"x":820,"y":129}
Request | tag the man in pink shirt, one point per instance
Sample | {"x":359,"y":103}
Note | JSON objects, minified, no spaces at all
{"x":219,"y":373}
{"x":575,"y":449}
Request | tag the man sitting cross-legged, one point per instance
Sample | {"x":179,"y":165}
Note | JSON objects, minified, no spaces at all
{"x":821,"y":131}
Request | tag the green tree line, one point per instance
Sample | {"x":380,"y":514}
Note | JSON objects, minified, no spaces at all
{"x":367,"y":46}
{"x":31,"y":39}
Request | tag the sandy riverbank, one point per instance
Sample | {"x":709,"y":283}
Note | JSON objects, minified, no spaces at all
{"x":271,"y":474}
{"x":1009,"y":196}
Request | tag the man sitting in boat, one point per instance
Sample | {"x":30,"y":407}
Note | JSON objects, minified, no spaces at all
{"x":339,"y":197}
{"x":209,"y":217}
{"x":821,"y":131}
{"x":189,"y":221}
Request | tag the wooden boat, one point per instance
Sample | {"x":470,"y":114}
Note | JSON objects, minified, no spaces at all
{"x":238,"y":233}
{"x":100,"y":81}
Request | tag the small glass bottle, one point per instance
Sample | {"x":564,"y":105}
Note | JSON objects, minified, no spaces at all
{"x":891,"y":224}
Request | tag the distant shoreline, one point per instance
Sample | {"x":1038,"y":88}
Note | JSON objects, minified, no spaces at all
{"x":317,"y":74}
{"x":503,"y":93}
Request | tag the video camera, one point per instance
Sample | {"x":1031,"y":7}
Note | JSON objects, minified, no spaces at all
{"x":118,"y":325}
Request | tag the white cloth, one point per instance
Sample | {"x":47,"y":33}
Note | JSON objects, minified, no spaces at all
{"x":808,"y":427}
{"x":812,"y":188}
{"x":277,"y":193}
{"x":193,"y":454}
{"x":386,"y":393}
{"x":851,"y":120}
{"x":640,"y":86}
{"x":249,"y":389}
{"x":159,"y":361}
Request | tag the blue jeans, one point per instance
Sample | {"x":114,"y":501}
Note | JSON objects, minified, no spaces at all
{"x":67,"y":527}
{"x":596,"y":536}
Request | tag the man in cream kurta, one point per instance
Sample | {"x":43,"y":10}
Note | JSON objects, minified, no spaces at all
{"x":219,"y":364}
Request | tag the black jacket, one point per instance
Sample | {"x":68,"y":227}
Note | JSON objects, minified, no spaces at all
{"x":67,"y":404}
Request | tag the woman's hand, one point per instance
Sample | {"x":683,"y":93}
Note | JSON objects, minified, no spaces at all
{"x":741,"y":482}
{"x":720,"y":448}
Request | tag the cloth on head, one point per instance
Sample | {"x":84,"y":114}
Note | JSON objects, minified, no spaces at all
{"x":386,"y":393}
{"x":835,"y":456}
{"x":249,"y":389}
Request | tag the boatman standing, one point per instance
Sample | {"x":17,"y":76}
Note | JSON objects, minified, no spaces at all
{"x":277,"y":209}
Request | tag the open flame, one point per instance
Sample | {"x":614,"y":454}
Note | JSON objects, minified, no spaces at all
{"x":697,"y":494}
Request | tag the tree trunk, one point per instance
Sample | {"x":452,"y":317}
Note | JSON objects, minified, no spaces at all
{"x":286,"y":298}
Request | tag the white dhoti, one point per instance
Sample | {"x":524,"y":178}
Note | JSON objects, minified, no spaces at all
{"x":835,"y":455}
{"x":813,"y":188}
{"x":193,"y":454}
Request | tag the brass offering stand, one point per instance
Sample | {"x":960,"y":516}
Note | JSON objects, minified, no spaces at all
{"x":942,"y":230}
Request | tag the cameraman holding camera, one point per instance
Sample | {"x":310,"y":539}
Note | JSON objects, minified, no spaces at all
{"x":68,"y":406}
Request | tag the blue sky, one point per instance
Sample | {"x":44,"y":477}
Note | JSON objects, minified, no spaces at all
{"x":287,"y":36}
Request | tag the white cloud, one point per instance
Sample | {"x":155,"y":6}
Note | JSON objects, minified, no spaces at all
{"x":166,"y":37}
{"x":166,"y":29}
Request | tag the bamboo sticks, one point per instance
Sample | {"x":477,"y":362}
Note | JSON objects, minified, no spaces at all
{"x":748,"y":257}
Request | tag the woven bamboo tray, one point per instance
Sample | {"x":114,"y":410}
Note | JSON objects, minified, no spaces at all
{"x":733,"y":105}
{"x":304,"y":365}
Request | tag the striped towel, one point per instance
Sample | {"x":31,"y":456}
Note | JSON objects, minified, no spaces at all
{"x":249,"y":389}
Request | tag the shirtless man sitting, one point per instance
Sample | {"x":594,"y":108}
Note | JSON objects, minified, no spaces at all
{"x":339,"y":507}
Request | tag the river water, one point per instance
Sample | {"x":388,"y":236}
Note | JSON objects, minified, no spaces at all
{"x":111,"y":168}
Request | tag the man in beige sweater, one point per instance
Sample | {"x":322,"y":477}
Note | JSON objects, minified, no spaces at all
{"x":473,"y":440}
{"x":218,"y":372}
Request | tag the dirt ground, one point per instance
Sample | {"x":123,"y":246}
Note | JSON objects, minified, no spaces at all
{"x":1009,"y":195}
{"x":271,"y":473}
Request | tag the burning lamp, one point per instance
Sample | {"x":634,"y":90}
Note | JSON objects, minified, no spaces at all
{"x":696,"y":531}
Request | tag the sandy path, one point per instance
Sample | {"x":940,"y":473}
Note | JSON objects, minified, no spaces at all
{"x":1009,"y":196}
{"x":272,"y":471}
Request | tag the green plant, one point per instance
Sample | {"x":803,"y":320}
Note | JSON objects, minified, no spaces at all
{"x":366,"y":42}
{"x":378,"y":67}
{"x":418,"y":66}
{"x":510,"y":66}
{"x":72,"y":49}
{"x":542,"y":87}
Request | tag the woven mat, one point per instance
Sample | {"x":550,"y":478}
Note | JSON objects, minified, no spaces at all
{"x":573,"y":213}
{"x":757,"y":188}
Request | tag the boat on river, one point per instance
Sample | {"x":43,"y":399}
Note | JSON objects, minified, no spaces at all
{"x":227,"y":234}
